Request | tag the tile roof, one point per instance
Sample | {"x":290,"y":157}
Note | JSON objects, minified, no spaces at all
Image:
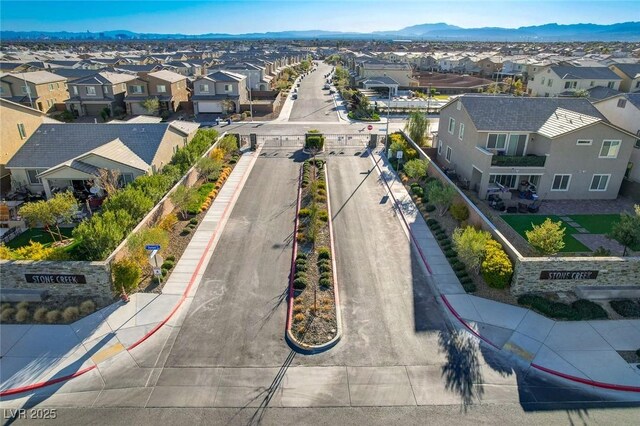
{"x":105,"y":77}
{"x":72,"y":74}
{"x":600,"y":92}
{"x":37,"y":77}
{"x":563,"y":120}
{"x":52,"y":144}
{"x":226,"y":76}
{"x":630,"y":70}
{"x":509,"y":113}
{"x":595,"y":73}
{"x":167,"y":75}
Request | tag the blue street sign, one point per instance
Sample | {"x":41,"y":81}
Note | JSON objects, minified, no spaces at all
{"x":152,"y":247}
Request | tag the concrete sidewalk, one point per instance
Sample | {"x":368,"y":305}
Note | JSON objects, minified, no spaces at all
{"x":32,"y":354}
{"x":583,"y":352}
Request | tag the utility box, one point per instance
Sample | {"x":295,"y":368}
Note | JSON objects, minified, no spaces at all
{"x":253,"y":139}
{"x":373,"y":141}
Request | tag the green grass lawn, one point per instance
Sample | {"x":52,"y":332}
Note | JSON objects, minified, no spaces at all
{"x":38,"y":235}
{"x":596,"y":223}
{"x":523,"y":222}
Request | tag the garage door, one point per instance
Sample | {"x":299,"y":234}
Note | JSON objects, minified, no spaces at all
{"x":138,"y":109}
{"x":204,"y":107}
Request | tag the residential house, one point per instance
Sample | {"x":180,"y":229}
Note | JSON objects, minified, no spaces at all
{"x":168,"y":87}
{"x":92,"y":94}
{"x":489,"y":66}
{"x":563,"y":146}
{"x":219,"y":92}
{"x":630,"y":75}
{"x":623,"y":110}
{"x":18,"y":124}
{"x":138,"y":70}
{"x":565,"y":80}
{"x":254,"y":73}
{"x":41,"y":90}
{"x":401,"y":73}
{"x":69,"y":156}
{"x":14,"y":67}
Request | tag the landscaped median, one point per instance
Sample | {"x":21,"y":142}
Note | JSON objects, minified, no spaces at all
{"x":313,"y":318}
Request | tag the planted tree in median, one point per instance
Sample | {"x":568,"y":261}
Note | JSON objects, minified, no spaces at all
{"x":416,"y":169}
{"x":548,"y":237}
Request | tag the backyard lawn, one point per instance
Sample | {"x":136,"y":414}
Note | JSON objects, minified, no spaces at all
{"x":522,"y":222}
{"x":596,"y":223}
{"x":37,"y":235}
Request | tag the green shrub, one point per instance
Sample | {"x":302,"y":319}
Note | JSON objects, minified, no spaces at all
{"x":461,"y":273}
{"x":324,"y":253}
{"x":323,"y":215}
{"x":164,"y":272}
{"x":324,"y":282}
{"x":101,"y":234}
{"x":193,"y":221}
{"x":450,"y":253}
{"x":40,"y":315}
{"x":588,"y":310}
{"x":432,"y":222}
{"x":429,"y":208}
{"x":22,"y":305}
{"x":300,"y":274}
{"x":126,"y":274}
{"x":300,"y":283}
{"x":496,"y":266}
{"x":87,"y":307}
{"x":71,"y":314}
{"x":171,"y":258}
{"x":301,"y":255}
{"x":324,"y":267}
{"x":415,"y":168}
{"x":301,"y":266}
{"x":547,"y":307}
{"x":326,"y":276}
{"x":185,"y":231}
{"x":627,"y":308}
{"x":441,"y":236}
{"x":167,"y":264}
{"x":22,"y":315}
{"x":548,"y":237}
{"x":304,"y":212}
{"x":459,"y":211}
{"x":131,"y":200}
{"x":53,"y":316}
{"x":469,"y":287}
{"x":5,"y":306}
{"x":7,"y":314}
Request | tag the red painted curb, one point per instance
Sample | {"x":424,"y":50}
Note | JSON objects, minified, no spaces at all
{"x":587,"y":381}
{"x":459,"y":318}
{"x":294,"y":253}
{"x":41,"y":385}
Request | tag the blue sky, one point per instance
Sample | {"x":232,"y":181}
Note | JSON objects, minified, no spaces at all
{"x":242,"y":16}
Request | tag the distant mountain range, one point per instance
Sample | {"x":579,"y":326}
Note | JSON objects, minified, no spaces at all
{"x":625,"y":31}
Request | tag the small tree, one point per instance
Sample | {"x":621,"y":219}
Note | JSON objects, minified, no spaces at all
{"x":137,"y":242}
{"x":131,"y":200}
{"x":228,"y":106}
{"x":126,"y":274}
{"x":627,"y":230}
{"x":416,"y":169}
{"x":470,"y":244}
{"x":208,"y":168}
{"x":105,"y":113}
{"x":228,"y":144}
{"x":548,"y":237}
{"x":59,"y":208}
{"x":152,"y":105}
{"x":459,"y":211}
{"x":109,"y":180}
{"x":182,"y":197}
{"x":497,"y":268}
{"x":101,"y":234}
{"x":418,"y":126}
{"x":441,"y":195}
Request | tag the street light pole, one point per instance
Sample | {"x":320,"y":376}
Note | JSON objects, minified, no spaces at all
{"x":386,"y":139}
{"x":250,"y":98}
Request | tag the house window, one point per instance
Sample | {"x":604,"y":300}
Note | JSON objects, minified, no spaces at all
{"x":461,"y":131}
{"x":162,"y":88}
{"x":204,"y":88}
{"x":51,"y":87}
{"x":609,"y":149}
{"x":125,"y":179}
{"x":570,"y":84}
{"x":622,"y":103}
{"x":508,"y":181}
{"x":105,"y":90}
{"x":584,"y":142}
{"x":497,"y":141}
{"x":459,"y":105}
{"x":75,"y":90}
{"x":611,"y":84}
{"x":228,"y":88}
{"x":23,"y":133}
{"x":439,"y":147}
{"x":448,"y":156}
{"x":452,"y":125}
{"x":32,"y":174}
{"x":550,"y":82}
{"x":542,"y":81}
{"x":599,"y":183}
{"x":136,"y":89}
{"x":560,"y":182}
{"x":91,"y":91}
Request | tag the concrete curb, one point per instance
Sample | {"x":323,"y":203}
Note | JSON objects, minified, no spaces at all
{"x":184,"y":296}
{"x":291,"y":340}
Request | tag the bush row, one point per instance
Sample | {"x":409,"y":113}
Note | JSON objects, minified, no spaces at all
{"x":580,"y":310}
{"x":24,"y":312}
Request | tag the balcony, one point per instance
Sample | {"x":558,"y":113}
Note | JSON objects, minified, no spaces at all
{"x":518,"y":161}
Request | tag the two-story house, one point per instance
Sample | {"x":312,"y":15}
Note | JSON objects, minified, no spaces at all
{"x":93,"y":94}
{"x":623,"y":110}
{"x":402,"y":73}
{"x":563,"y":146}
{"x":565,"y":80}
{"x":254,"y":73}
{"x":220,"y":92}
{"x":18,"y":124}
{"x":41,"y":90}
{"x":168,"y":87}
{"x":630,"y":75}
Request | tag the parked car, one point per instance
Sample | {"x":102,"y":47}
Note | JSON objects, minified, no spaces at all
{"x":294,"y":96}
{"x":326,"y":86}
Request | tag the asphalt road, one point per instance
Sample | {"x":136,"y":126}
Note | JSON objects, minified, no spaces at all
{"x":314,"y":104}
{"x":237,"y":317}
